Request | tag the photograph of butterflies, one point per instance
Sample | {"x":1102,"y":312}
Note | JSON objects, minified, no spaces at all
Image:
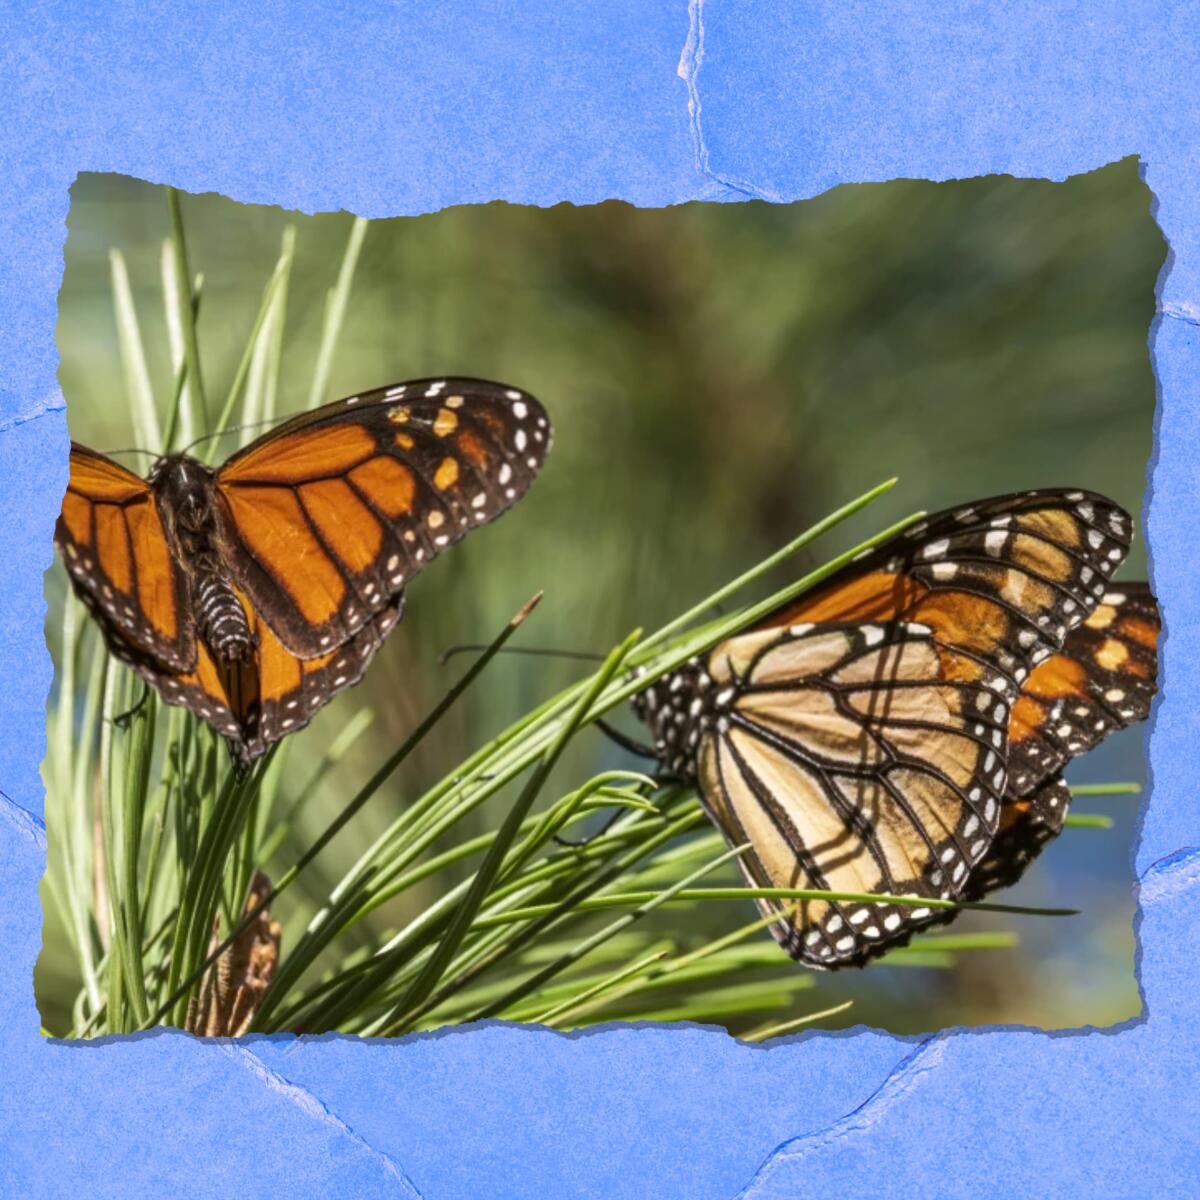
{"x":729,"y":613}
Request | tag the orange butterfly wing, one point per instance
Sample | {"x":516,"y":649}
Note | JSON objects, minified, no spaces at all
{"x":329,"y":517}
{"x":256,"y":703}
{"x":1102,"y":681}
{"x":112,"y":539}
{"x":1005,"y":579}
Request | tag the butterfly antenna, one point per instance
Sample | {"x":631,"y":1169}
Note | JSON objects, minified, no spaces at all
{"x":131,"y":450}
{"x":208,"y":437}
{"x":533,"y":651}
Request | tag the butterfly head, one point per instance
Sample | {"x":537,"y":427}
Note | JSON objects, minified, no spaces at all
{"x":184,"y":486}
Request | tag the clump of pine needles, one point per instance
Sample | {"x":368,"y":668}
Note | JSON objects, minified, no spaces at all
{"x":159,"y":851}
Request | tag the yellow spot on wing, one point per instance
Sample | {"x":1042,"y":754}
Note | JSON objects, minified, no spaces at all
{"x":446,"y":422}
{"x":447,"y":474}
{"x":1111,"y":654}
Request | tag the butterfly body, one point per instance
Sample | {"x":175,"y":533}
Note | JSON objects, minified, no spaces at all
{"x":187,"y":499}
{"x":859,"y":738}
{"x":254,"y":592}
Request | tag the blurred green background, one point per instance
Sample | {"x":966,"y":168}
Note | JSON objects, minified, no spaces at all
{"x":719,"y":377}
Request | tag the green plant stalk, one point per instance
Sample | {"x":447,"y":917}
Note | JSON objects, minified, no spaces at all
{"x":72,"y":785}
{"x":778,"y":1028}
{"x":180,"y":422}
{"x":183,"y":275}
{"x":563,"y":991}
{"x":335,"y":313}
{"x":668,"y":972}
{"x":274,"y":346}
{"x":535,"y":980}
{"x":364,"y":794}
{"x":488,"y":871}
{"x":625,"y":899}
{"x":243,"y":367}
{"x":133,"y":357}
{"x":139,"y":748}
{"x":109,"y":817}
{"x":730,"y":1002}
{"x":599,"y":990}
{"x":1087,"y":821}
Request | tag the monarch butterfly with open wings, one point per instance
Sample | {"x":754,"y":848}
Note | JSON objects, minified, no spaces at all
{"x":254,"y":593}
{"x":902,"y":728}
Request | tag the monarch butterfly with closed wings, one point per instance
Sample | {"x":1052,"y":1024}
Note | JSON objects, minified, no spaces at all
{"x":254,"y":593}
{"x":902,"y":728}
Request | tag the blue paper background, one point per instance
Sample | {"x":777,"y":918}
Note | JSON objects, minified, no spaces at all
{"x":406,"y":107}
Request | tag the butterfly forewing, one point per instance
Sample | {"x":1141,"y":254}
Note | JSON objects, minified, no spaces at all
{"x":330,"y":516}
{"x":1005,"y":579}
{"x":112,"y":539}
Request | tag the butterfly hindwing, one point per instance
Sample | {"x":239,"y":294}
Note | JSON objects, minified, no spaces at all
{"x":1027,"y":824}
{"x":113,"y":542}
{"x":255,"y":703}
{"x":852,"y":758}
{"x":1103,"y":680}
{"x":329,"y":517}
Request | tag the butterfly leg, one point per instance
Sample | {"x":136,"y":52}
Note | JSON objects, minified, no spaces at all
{"x":122,"y":720}
{"x":579,"y":843}
{"x":624,"y":741}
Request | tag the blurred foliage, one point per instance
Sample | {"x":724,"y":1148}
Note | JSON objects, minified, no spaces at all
{"x":719,"y":377}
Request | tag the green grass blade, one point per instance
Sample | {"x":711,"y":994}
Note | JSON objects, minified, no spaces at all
{"x":140,"y":394}
{"x":262,"y":381}
{"x":778,"y":1028}
{"x":1087,"y":821}
{"x":467,"y":912}
{"x":180,"y":989}
{"x":335,"y":313}
{"x":253,"y":344}
{"x":185,"y":314}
